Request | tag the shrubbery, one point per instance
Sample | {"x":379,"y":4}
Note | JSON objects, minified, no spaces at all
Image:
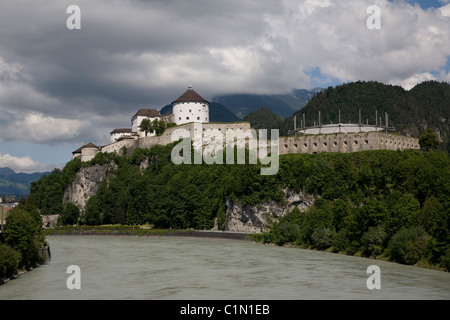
{"x":9,"y":261}
{"x":409,"y":245}
{"x":22,"y":239}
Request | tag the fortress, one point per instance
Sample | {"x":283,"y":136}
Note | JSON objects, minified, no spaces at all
{"x":191,"y":113}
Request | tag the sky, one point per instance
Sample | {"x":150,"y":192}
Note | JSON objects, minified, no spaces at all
{"x":62,"y":87}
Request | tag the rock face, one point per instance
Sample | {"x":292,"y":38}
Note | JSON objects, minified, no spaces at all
{"x":86,"y":184}
{"x":255,"y":217}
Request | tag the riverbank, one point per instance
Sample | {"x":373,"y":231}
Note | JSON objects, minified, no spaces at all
{"x":143,"y":231}
{"x":46,"y":256}
{"x":148,"y":232}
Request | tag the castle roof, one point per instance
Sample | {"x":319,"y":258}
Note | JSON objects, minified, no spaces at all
{"x":121,"y":130}
{"x":87,"y":145}
{"x":77,"y":151}
{"x":147,"y":113}
{"x":190,"y":96}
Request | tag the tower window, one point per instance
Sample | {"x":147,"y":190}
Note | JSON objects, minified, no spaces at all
{"x":198,"y":118}
{"x":187,"y":118}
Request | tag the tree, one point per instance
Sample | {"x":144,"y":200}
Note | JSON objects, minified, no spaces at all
{"x":24,"y":234}
{"x":428,"y":140}
{"x":9,"y":261}
{"x":70,"y":214}
{"x":408,"y":246}
{"x":159,"y":126}
{"x":146,"y":126}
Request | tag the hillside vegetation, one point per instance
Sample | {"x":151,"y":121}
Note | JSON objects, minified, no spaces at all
{"x":390,"y":203}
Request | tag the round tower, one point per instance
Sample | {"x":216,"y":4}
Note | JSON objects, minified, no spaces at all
{"x":190,"y":107}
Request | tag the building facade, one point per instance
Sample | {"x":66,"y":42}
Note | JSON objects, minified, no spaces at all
{"x":190,"y":107}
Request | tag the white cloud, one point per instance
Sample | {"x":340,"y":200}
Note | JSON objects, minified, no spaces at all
{"x":412,"y":81}
{"x":37,"y":127}
{"x":22,"y":164}
{"x":445,"y":10}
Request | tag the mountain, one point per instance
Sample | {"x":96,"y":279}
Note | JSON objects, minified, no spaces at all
{"x":410,"y":112}
{"x":218,"y":112}
{"x":6,"y":171}
{"x":264,"y":119}
{"x":281,"y":104}
{"x":17,"y":184}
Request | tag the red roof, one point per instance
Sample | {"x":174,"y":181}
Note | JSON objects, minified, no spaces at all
{"x":190,"y":96}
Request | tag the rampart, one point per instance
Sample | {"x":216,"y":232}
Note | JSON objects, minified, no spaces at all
{"x":346,"y":142}
{"x":332,"y":142}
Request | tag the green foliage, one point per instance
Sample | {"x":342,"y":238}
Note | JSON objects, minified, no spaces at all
{"x":157,"y":126}
{"x":70,"y":214}
{"x":364,"y":199}
{"x":9,"y":261}
{"x":408,"y":246}
{"x":428,"y":140}
{"x":146,"y":126}
{"x":46,"y":193}
{"x":264,"y":119}
{"x":322,"y":238}
{"x":23,"y":232}
{"x":373,"y":241}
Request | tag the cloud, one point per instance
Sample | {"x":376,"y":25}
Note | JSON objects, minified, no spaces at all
{"x":23,"y":164}
{"x":60,"y":85}
{"x":36,"y":127}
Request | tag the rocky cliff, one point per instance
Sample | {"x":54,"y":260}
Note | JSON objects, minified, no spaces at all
{"x":239,"y":218}
{"x":86,"y":184}
{"x":255,"y":218}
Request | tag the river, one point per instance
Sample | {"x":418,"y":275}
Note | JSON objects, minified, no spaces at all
{"x":131,"y":267}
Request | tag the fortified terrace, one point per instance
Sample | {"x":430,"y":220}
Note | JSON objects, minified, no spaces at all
{"x":190,"y":109}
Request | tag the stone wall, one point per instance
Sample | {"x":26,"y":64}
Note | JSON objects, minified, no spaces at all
{"x":88,"y":153}
{"x":335,"y":142}
{"x":349,"y":142}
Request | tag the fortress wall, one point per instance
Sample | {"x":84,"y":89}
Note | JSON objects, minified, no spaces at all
{"x":335,"y":142}
{"x":116,"y":147}
{"x":343,"y":143}
{"x":147,"y":142}
{"x":88,"y":153}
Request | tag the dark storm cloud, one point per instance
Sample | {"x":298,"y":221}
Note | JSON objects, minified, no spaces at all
{"x":132,"y":54}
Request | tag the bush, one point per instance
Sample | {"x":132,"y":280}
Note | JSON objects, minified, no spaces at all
{"x":24,"y":234}
{"x":70,"y":214}
{"x":373,"y":241}
{"x":9,"y":261}
{"x":445,"y":260}
{"x":408,"y":246}
{"x":322,"y":238}
{"x":340,"y":242}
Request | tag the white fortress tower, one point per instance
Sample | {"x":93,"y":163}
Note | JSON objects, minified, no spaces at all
{"x":190,"y":107}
